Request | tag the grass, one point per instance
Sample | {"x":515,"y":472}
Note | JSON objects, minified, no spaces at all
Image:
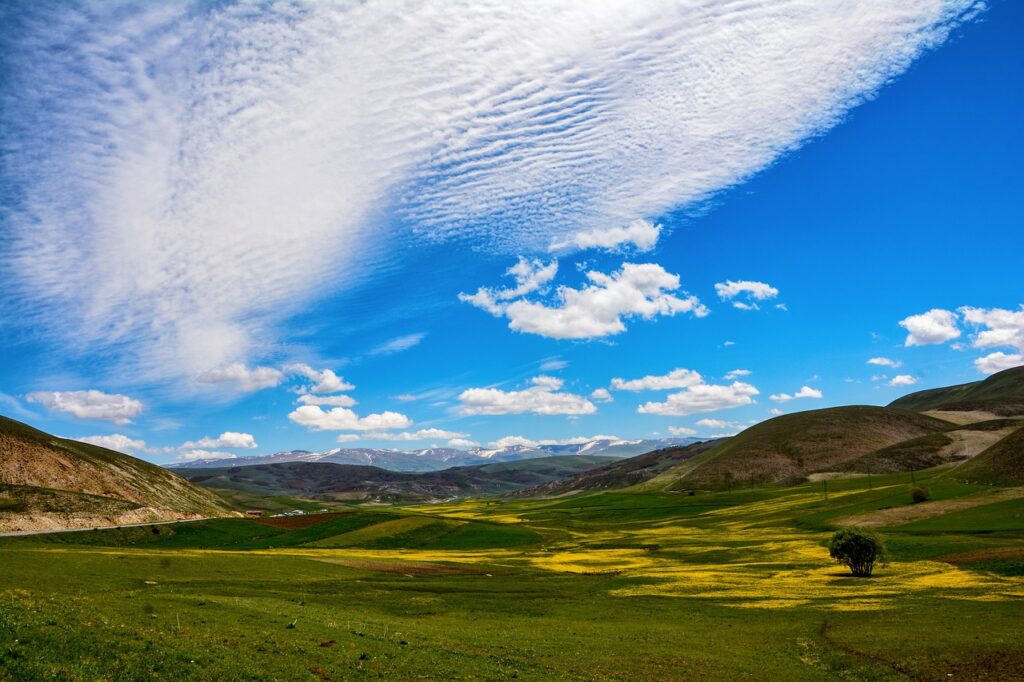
{"x":605,"y":586}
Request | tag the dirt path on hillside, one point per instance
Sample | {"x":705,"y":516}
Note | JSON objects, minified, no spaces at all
{"x":915,"y":512}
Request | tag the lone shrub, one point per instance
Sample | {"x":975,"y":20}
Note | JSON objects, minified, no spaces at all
{"x":857,"y":548}
{"x":920,"y":494}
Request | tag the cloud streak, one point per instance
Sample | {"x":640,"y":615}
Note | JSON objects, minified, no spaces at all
{"x":185,"y":177}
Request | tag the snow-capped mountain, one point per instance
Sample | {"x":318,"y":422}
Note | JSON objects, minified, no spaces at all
{"x":435,"y":459}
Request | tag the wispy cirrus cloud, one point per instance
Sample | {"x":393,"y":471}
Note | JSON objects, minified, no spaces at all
{"x":184,"y":177}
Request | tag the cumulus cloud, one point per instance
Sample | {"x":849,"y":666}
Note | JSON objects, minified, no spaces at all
{"x":228,"y":439}
{"x":998,"y":361}
{"x":331,"y":400}
{"x":1003,"y":327}
{"x":776,"y":412}
{"x":677,"y":378}
{"x":544,"y":396}
{"x":324,"y":380}
{"x":642,"y":234}
{"x":216,"y":166}
{"x":885,"y":362}
{"x":752,"y":291}
{"x":718,"y":424}
{"x":601,"y":395}
{"x":804,"y":392}
{"x":597,"y":309}
{"x":422,"y":434}
{"x":462,"y":443}
{"x":343,"y":419}
{"x":681,"y":431}
{"x":737,"y":373}
{"x":348,"y":437}
{"x":903,"y":380}
{"x":90,"y":404}
{"x":935,"y":326}
{"x":530,"y":275}
{"x":242,"y":378}
{"x":117,"y":442}
{"x":194,"y":455}
{"x":398,"y":344}
{"x":702,"y":398}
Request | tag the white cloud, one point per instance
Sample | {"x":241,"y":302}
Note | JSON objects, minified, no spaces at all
{"x":776,"y":411}
{"x":422,"y":434}
{"x":228,"y":439}
{"x":718,"y":424}
{"x":530,"y":275}
{"x":597,"y":309}
{"x":398,"y":344}
{"x":740,"y":305}
{"x":543,"y":397}
{"x":242,"y":378}
{"x":601,"y":395}
{"x":217,"y":166}
{"x":885,"y":362}
{"x":344,"y":419}
{"x":737,"y":373}
{"x":512,"y":441}
{"x":348,"y":437}
{"x":702,"y":398}
{"x":193,"y":455}
{"x":755,"y":290}
{"x":331,"y":400}
{"x":89,"y":404}
{"x":1004,"y":327}
{"x":117,"y":442}
{"x":903,"y":380}
{"x":681,"y":431}
{"x":727,"y":344}
{"x":553,"y":365}
{"x":998,"y":361}
{"x":677,"y":378}
{"x":324,"y":380}
{"x":934,"y":326}
{"x":462,"y":443}
{"x":640,"y":233}
{"x":804,"y":392}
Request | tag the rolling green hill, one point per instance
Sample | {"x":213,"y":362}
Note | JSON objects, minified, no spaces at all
{"x":49,"y":482}
{"x":620,"y":473}
{"x":788,"y":448}
{"x":1002,"y":463}
{"x":1001,"y":394}
{"x":327,"y":481}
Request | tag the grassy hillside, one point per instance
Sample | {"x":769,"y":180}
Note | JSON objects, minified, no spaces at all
{"x":1002,"y":463}
{"x":326,"y":481}
{"x":788,"y":448}
{"x":1000,"y":394}
{"x":621,"y":473}
{"x":603,"y":586}
{"x":51,"y":482}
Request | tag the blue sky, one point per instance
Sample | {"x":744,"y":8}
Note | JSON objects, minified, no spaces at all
{"x":208,"y":207}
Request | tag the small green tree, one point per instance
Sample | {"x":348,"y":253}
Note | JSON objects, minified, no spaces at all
{"x":859,"y":549}
{"x":919,"y":493}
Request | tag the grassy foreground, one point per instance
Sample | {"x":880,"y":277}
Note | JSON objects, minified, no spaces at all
{"x":609,"y":586}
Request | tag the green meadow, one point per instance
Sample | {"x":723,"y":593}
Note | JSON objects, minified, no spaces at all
{"x":609,"y":586}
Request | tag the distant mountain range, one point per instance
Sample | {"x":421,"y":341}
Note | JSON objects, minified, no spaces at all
{"x":436,"y":459}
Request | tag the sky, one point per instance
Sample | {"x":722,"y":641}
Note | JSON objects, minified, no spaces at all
{"x":238,"y":228}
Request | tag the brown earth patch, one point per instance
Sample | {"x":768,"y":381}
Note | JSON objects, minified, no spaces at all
{"x":295,"y":522}
{"x":979,"y":555}
{"x":915,"y":512}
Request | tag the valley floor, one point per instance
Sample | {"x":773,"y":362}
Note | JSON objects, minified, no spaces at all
{"x":610,"y":586}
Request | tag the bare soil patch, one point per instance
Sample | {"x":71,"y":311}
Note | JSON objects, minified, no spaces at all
{"x":915,"y":512}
